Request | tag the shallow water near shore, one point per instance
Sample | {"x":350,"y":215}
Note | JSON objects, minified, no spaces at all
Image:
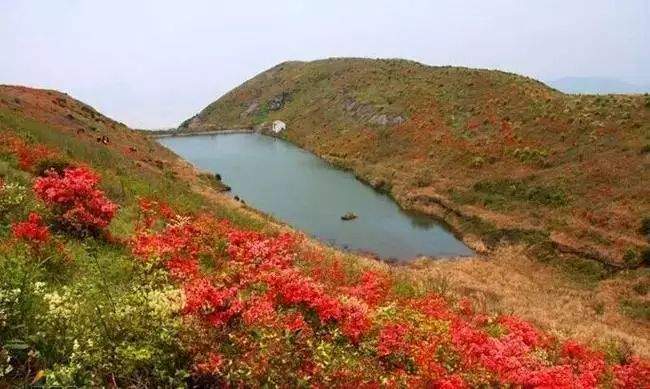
{"x":299,"y":188}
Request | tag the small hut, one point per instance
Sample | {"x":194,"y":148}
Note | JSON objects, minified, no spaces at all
{"x":277,"y":126}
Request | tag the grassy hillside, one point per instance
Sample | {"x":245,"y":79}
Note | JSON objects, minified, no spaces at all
{"x":499,"y":156}
{"x":123,"y":266}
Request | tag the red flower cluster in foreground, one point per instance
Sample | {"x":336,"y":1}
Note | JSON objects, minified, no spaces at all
{"x":74,"y":197}
{"x":32,"y":230}
{"x":271,"y":313}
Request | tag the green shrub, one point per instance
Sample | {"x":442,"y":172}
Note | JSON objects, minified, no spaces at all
{"x":262,"y":114}
{"x":616,"y":351}
{"x":478,"y":162}
{"x":645,"y":227}
{"x":636,"y":309}
{"x":531,"y":156}
{"x":631,"y":257}
{"x":645,"y":256}
{"x":422,"y":178}
{"x":641,"y":288}
{"x":55,"y":164}
{"x":499,"y":193}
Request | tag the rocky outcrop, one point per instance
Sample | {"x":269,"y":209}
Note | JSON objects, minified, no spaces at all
{"x":278,"y":101}
{"x":251,"y":109}
{"x":369,"y":114}
{"x":192,"y":123}
{"x":385,"y":120}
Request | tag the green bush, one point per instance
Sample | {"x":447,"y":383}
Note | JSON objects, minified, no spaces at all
{"x":105,"y":318}
{"x":645,"y":257}
{"x":531,"y":156}
{"x":478,"y":162}
{"x":636,"y":308}
{"x":641,"y":288}
{"x":630,"y":257}
{"x":499,"y":193}
{"x":645,"y":227}
{"x":422,"y":178}
{"x":55,"y":164}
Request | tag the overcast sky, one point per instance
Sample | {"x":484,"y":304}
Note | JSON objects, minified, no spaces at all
{"x":155,"y":63}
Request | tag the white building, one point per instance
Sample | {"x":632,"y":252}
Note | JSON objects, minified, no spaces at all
{"x":278,"y":125}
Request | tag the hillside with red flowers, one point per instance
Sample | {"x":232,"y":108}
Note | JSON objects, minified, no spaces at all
{"x":500,"y":157}
{"x":123,"y":266}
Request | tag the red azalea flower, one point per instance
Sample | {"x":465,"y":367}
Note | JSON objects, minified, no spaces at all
{"x":33,"y":230}
{"x":75,"y":198}
{"x":392,"y":340}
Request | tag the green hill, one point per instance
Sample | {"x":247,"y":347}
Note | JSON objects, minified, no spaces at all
{"x":500,"y":157}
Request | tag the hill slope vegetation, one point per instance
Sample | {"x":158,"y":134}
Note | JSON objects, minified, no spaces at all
{"x":122,"y":266}
{"x":502,"y":158}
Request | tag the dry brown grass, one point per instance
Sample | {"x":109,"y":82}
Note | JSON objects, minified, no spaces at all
{"x":509,"y":281}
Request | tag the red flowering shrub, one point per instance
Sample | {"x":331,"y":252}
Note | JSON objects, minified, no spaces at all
{"x":29,"y":155}
{"x":272,"y":316}
{"x":635,"y":374}
{"x":355,"y":322}
{"x":33,"y":230}
{"x":465,"y":306}
{"x":210,"y":365}
{"x":295,"y":322}
{"x":75,"y":199}
{"x":392,"y":340}
{"x":372,"y":288}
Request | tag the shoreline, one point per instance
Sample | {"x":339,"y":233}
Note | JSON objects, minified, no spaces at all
{"x":472,"y":242}
{"x":174,"y":134}
{"x":452,"y":218}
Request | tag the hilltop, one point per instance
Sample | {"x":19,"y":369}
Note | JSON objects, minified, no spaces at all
{"x":123,"y":266}
{"x":500,"y":157}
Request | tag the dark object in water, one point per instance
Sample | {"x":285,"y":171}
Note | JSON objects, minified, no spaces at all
{"x":349,"y":216}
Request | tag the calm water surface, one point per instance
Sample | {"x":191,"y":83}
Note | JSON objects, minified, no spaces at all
{"x":303,"y":190}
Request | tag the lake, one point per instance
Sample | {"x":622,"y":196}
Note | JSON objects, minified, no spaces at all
{"x":303,"y":190}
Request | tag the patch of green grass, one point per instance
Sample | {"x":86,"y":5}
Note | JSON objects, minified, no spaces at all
{"x":616,"y":351}
{"x":584,"y":272}
{"x":500,"y":192}
{"x":262,"y":114}
{"x":495,"y":330}
{"x":636,"y":308}
{"x":531,"y":156}
{"x":631,"y":258}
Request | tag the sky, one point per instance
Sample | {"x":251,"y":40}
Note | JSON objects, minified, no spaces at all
{"x":154,"y":63}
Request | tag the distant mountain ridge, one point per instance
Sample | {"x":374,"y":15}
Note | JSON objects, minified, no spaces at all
{"x":596,"y":85}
